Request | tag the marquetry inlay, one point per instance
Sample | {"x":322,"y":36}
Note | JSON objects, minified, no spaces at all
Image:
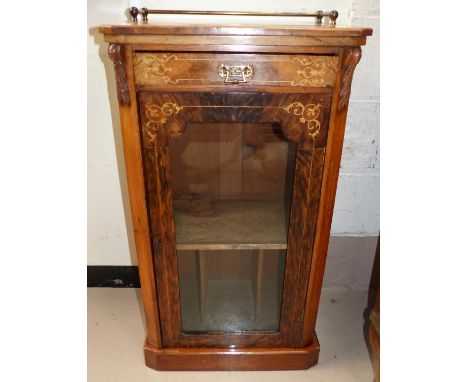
{"x":158,"y":115}
{"x":315,"y":71}
{"x":307,"y":114}
{"x":203,"y":69}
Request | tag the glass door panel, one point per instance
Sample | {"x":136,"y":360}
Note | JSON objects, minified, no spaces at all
{"x":232,"y":187}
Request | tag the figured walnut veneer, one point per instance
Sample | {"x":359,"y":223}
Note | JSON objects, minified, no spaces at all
{"x":202,"y":69}
{"x":298,"y":79}
{"x":303,"y":117}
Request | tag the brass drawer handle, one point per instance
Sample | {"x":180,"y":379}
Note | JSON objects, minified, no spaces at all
{"x":236,"y":74}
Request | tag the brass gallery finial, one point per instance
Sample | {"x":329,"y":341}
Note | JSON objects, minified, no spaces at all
{"x":134,"y":13}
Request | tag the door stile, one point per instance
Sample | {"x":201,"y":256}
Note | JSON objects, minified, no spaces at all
{"x":304,"y":208}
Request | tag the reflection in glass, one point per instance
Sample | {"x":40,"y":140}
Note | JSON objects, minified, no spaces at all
{"x":232,"y":186}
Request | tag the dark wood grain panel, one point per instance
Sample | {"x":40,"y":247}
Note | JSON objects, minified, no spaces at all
{"x":306,"y":195}
{"x":162,"y":233}
{"x":303,"y":117}
{"x":310,"y":198}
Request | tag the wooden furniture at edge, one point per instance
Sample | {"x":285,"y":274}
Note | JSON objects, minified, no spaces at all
{"x":372,"y":316}
{"x":300,"y":77}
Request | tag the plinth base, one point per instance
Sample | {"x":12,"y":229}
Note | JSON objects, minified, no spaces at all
{"x":206,"y":359}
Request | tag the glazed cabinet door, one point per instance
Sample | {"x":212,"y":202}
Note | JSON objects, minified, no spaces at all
{"x":233,"y":184}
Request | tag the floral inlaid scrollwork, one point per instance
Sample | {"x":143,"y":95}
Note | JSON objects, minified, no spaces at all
{"x":316,"y":71}
{"x":157,"y":116}
{"x":153,"y":68}
{"x":308,"y":114}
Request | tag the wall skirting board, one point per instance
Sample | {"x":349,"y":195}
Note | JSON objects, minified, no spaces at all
{"x":349,"y":266}
{"x":113,"y":276}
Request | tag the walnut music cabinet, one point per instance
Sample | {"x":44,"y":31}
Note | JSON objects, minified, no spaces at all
{"x":232,"y":139}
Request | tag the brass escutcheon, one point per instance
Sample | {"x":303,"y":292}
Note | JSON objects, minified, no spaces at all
{"x":235,"y":74}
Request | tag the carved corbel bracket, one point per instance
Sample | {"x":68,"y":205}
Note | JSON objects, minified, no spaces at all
{"x":351,"y":58}
{"x":116,"y":54}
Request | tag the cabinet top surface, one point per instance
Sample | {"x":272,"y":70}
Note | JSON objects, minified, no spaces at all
{"x":309,"y":30}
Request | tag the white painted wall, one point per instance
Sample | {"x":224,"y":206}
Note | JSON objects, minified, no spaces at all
{"x":358,"y":195}
{"x":110,"y":239}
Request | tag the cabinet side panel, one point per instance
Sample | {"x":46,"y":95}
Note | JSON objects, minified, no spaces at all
{"x":349,"y":57}
{"x":136,"y":188}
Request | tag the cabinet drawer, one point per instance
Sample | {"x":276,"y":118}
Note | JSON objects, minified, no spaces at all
{"x":231,"y":69}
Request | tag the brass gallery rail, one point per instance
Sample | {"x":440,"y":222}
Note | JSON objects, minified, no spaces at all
{"x":134,"y":12}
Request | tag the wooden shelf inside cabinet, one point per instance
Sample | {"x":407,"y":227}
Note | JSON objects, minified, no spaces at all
{"x":230,"y":224}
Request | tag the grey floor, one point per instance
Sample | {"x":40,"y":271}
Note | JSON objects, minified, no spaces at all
{"x":116,"y":335}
